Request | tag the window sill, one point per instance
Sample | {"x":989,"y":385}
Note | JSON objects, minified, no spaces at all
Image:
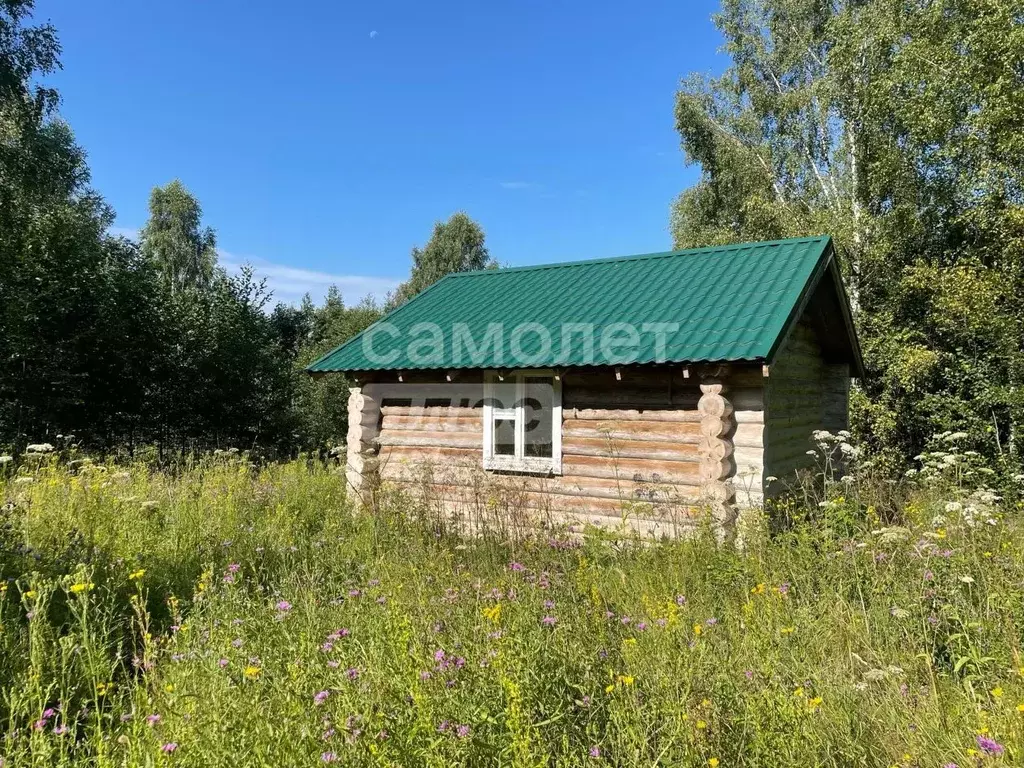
{"x":531,"y":466}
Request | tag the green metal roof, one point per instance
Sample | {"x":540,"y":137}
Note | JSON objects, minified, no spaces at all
{"x":729,"y":303}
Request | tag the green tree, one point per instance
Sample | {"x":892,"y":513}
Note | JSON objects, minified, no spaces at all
{"x":896,"y":128}
{"x":456,"y":245}
{"x":175,"y":240}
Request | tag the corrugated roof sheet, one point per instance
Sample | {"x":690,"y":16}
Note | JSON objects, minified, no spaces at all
{"x":729,"y":303}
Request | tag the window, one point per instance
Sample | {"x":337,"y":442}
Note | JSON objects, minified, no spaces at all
{"x":523,"y":422}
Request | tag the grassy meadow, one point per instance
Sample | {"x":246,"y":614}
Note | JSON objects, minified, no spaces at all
{"x":231,"y":615}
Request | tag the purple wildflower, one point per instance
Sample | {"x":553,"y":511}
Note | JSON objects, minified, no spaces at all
{"x":329,"y":757}
{"x":514,"y":566}
{"x":595,"y":752}
{"x":680,"y":600}
{"x":153,"y":719}
{"x":549,"y":621}
{"x":169,"y":747}
{"x":321,"y":697}
{"x":549,"y":605}
{"x":234,"y":568}
{"x":462,"y":731}
{"x":283,"y":606}
{"x":989,"y":746}
{"x":352,"y":673}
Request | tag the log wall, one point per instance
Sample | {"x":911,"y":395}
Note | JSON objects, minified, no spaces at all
{"x":654,"y":449}
{"x":803,"y":393}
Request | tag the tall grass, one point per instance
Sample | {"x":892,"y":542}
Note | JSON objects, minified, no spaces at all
{"x":239,"y":616}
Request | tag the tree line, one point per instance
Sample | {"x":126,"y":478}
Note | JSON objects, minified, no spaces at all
{"x":147,"y":344}
{"x":896,"y":127}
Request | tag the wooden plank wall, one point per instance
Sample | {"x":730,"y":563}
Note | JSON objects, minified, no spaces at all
{"x":804,"y":393}
{"x":629,"y":451}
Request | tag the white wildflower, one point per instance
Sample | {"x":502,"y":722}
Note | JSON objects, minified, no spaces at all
{"x":6,"y":459}
{"x":39,"y":448}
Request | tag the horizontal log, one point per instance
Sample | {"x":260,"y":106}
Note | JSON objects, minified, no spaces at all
{"x":424,"y":439}
{"x":489,"y":499}
{"x":513,"y":487}
{"x":680,"y":472}
{"x":441,"y":455}
{"x":446,"y":411}
{"x":671,"y":415}
{"x":630,"y":449}
{"x":748,"y":436}
{"x":656,"y":431}
{"x":435,"y":423}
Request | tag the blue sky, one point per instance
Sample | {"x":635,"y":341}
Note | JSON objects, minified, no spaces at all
{"x":325,"y":138}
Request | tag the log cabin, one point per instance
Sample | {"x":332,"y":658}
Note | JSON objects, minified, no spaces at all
{"x":649,"y":391}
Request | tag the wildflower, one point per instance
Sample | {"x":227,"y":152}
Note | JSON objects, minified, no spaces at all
{"x":697,"y":629}
{"x":321,"y":697}
{"x":352,"y":673}
{"x":713,"y":762}
{"x":595,"y":752}
{"x":701,"y":725}
{"x":997,"y":691}
{"x":989,"y":746}
{"x":252,"y":672}
{"x":758,"y":590}
{"x":81,"y":587}
{"x":329,"y":757}
{"x":514,"y":566}
{"x":549,"y":621}
{"x":283,"y":606}
{"x":462,"y":731}
{"x":169,"y":747}
{"x":136,"y":575}
{"x":60,"y":730}
{"x":787,"y":630}
{"x":222,"y":663}
{"x":711,"y":622}
{"x":234,"y":567}
{"x":1020,"y":708}
{"x":680,"y":600}
{"x":153,"y":719}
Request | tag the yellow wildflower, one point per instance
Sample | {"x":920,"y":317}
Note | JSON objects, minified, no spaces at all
{"x":492,"y":613}
{"x":697,"y":629}
{"x":32,"y":593}
{"x":814,"y":703}
{"x":701,"y":725}
{"x":81,"y":587}
{"x":609,"y":688}
{"x":136,"y":575}
{"x":625,"y":679}
{"x":252,"y":672}
{"x":997,"y":691}
{"x":629,"y":641}
{"x":799,"y":691}
{"x":713,"y":762}
{"x":758,"y":590}
{"x":1020,"y":707}
{"x":787,"y":630}
{"x":169,"y":688}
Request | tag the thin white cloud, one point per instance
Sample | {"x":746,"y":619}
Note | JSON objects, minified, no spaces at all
{"x":373,"y":34}
{"x":290,"y":284}
{"x":132,"y":233}
{"x":515,"y":184}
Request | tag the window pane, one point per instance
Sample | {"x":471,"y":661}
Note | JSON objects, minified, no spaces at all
{"x":537,"y":412}
{"x":504,"y":437}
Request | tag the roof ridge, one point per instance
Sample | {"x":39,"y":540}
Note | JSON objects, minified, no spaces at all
{"x":640,"y":256}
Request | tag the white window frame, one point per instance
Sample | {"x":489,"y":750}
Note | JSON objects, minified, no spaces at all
{"x":521,"y":463}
